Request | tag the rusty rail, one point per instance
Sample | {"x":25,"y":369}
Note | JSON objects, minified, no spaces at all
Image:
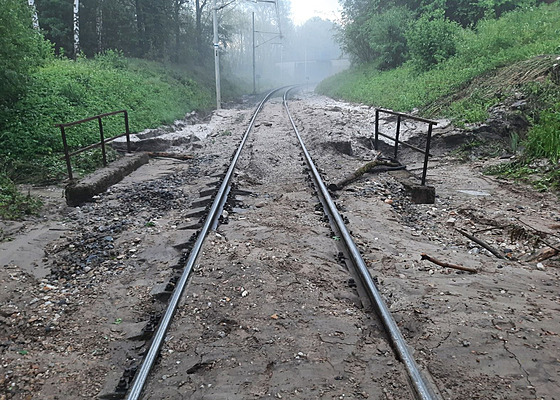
{"x":399,"y":115}
{"x":102,"y":141}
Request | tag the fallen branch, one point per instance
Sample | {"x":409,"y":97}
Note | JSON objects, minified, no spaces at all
{"x":543,"y":255}
{"x":541,"y":234}
{"x":447,"y":265}
{"x":492,"y":250}
{"x":369,"y":167}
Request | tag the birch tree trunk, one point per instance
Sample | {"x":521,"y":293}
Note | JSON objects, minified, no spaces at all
{"x":34,"y":10}
{"x":99,"y":26}
{"x":76,"y":28}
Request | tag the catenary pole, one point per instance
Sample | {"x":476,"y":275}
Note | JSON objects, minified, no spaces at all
{"x":217,"y":57}
{"x":254,"y":60}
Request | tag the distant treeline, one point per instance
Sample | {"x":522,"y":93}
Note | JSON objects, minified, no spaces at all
{"x":386,"y":33}
{"x":164,"y":29}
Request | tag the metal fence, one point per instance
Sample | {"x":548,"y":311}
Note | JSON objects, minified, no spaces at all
{"x":102,"y":142}
{"x":400,"y":116}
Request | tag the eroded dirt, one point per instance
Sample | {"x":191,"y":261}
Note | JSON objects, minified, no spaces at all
{"x":269,"y":310}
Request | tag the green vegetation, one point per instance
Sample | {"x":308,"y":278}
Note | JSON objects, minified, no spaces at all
{"x":21,"y":49}
{"x":543,"y":140}
{"x":541,"y":174}
{"x":65,"y":90}
{"x":39,"y":90}
{"x":516,"y":36}
{"x":540,"y":163}
{"x":386,"y":35}
{"x":13,"y":204}
{"x":431,"y":40}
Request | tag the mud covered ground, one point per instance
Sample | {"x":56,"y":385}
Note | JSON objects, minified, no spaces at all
{"x":270,"y":311}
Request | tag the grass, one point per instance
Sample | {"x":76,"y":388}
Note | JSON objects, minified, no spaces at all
{"x":543,"y":140}
{"x":541,"y":174}
{"x":13,"y":204}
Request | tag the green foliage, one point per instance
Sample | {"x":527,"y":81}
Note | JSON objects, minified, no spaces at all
{"x":518,"y":169}
{"x":386,"y":35}
{"x":156,"y":30}
{"x":435,"y":18}
{"x":471,"y":109}
{"x":542,"y":176}
{"x":354,"y":37}
{"x":491,"y":62}
{"x":22,"y":49}
{"x":516,"y":36}
{"x":55,"y":20}
{"x":65,"y":91}
{"x":470,"y":12}
{"x":14,"y":205}
{"x":431,"y":40}
{"x":532,"y":32}
{"x":543,"y":139}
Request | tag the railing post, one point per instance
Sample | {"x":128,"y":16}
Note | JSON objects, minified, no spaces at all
{"x":66,"y":154}
{"x":375,"y":142}
{"x":397,"y":136}
{"x":427,"y":154}
{"x":128,"y":150}
{"x":102,"y":142}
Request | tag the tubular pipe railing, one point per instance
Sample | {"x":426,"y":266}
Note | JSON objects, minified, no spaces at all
{"x":102,"y":142}
{"x":399,"y":116}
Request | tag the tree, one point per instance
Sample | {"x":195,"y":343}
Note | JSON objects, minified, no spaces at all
{"x":76,"y":27}
{"x":199,"y":9}
{"x":55,"y":18}
{"x":386,"y":37}
{"x":371,"y":31}
{"x":354,"y":36}
{"x":22,"y":48}
{"x":34,"y":11}
{"x":431,"y":40}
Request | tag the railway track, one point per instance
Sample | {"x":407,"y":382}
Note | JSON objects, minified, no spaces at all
{"x":273,"y":308}
{"x":290,"y":335}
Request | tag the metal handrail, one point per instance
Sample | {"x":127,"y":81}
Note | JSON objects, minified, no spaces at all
{"x":399,"y":115}
{"x":101,"y":143}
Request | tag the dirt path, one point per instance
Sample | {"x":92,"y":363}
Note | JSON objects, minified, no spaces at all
{"x":270,"y":316}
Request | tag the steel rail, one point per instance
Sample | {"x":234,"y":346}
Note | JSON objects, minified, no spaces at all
{"x":420,"y":386}
{"x":141,"y":376}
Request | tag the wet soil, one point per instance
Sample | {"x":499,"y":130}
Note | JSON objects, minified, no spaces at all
{"x":269,"y":310}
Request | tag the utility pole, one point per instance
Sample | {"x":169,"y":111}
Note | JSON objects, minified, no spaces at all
{"x":217,"y":57}
{"x":254,"y":61}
